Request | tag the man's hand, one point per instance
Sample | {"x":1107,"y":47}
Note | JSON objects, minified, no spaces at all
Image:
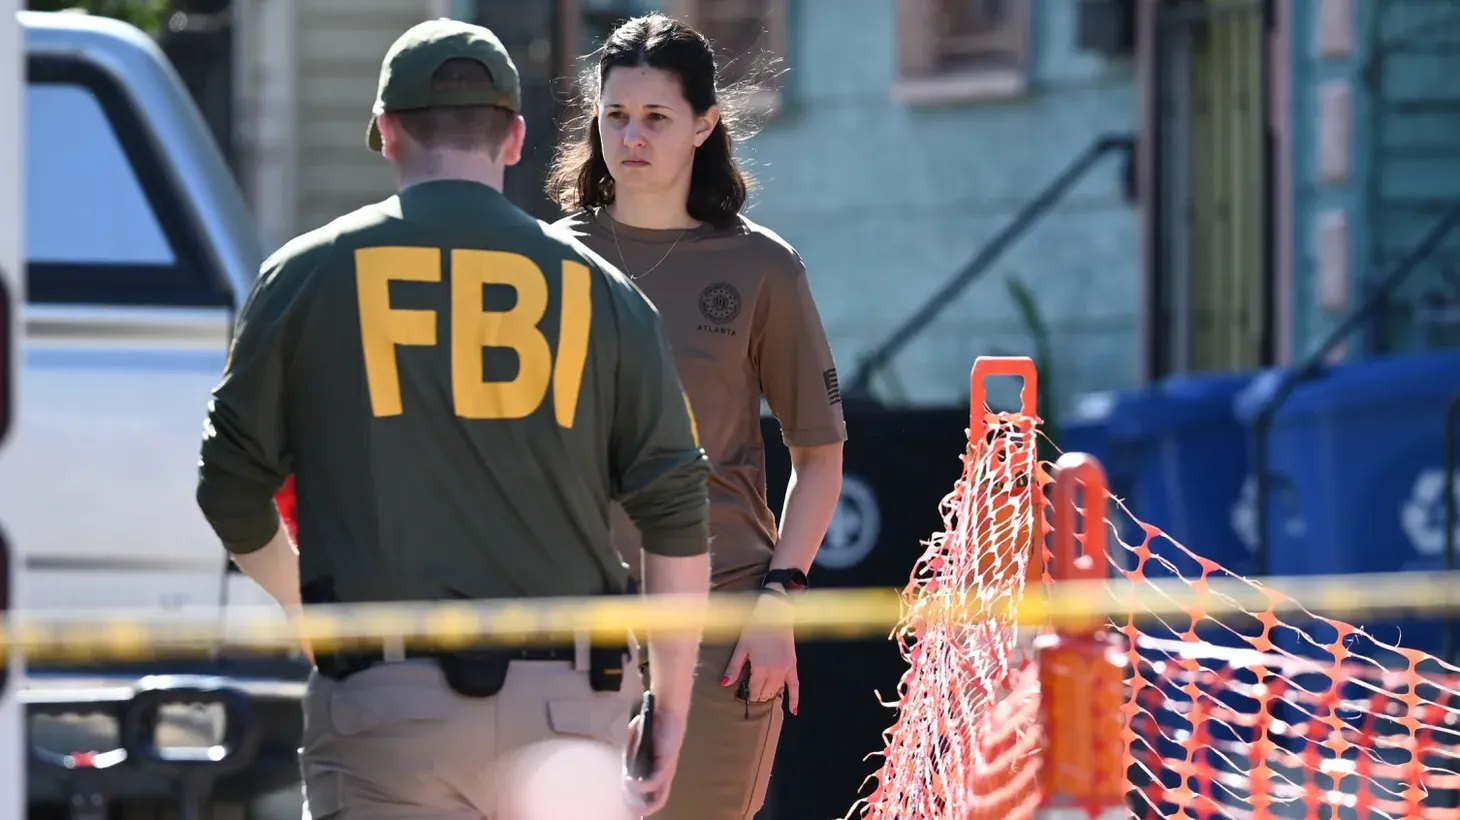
{"x":295,"y":614}
{"x":650,"y":795}
{"x":275,"y":567}
{"x":672,"y":657}
{"x":770,"y":649}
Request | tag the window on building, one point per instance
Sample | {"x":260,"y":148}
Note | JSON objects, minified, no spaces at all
{"x":593,"y":20}
{"x":747,"y":35}
{"x":962,"y":49}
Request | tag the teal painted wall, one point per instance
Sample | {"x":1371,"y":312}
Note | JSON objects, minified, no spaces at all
{"x":1312,"y":195}
{"x":1410,"y":141}
{"x":1405,"y":158}
{"x":886,"y":200}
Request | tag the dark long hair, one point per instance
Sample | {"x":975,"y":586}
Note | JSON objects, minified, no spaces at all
{"x":719,"y":185}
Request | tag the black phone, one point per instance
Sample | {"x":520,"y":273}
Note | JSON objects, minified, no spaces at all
{"x":643,"y":764}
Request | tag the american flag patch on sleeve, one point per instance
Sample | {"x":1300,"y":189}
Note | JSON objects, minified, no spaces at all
{"x":833,"y":387}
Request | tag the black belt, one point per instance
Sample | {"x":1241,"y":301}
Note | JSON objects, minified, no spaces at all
{"x":535,"y":653}
{"x":482,"y":673}
{"x":476,"y":673}
{"x":343,"y":665}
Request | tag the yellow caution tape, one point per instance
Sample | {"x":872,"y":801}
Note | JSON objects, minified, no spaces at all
{"x":124,"y":635}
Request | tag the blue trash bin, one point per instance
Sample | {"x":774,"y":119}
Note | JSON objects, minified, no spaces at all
{"x":1356,"y":458}
{"x":1087,"y":428}
{"x":1183,"y":456}
{"x":1176,"y":455}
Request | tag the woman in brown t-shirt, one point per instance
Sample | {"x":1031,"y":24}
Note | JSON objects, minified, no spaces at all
{"x":653,"y":186}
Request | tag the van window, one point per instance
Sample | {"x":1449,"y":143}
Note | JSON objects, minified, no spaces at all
{"x":106,"y":225}
{"x":84,"y":203}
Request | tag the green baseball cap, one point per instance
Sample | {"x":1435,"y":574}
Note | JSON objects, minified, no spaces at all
{"x":405,"y":74}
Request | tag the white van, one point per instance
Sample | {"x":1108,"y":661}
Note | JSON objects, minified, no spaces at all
{"x":138,"y":249}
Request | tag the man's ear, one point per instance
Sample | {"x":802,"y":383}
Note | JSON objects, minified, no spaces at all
{"x":511,"y":153}
{"x":389,"y":129}
{"x":705,"y":124}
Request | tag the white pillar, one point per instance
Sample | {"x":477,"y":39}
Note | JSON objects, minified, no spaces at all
{"x":266,"y":95}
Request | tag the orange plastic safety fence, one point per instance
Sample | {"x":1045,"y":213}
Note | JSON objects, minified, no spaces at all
{"x":1257,"y":716}
{"x":967,"y":742}
{"x":1253,"y":716}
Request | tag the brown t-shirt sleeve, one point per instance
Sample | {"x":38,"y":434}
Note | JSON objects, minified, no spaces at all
{"x":793,"y":359}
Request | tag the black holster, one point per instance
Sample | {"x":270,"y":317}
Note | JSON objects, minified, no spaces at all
{"x":606,"y":663}
{"x":474,"y":674}
{"x":482,"y":674}
{"x":606,"y":667}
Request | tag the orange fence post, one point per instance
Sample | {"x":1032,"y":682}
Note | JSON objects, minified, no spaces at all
{"x":985,"y":366}
{"x":998,"y":444}
{"x":1081,"y":666}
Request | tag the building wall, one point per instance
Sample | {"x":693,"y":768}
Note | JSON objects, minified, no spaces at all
{"x":1329,"y":109}
{"x":886,"y":200}
{"x":1375,"y":158}
{"x":1411,"y":148}
{"x":340,"y":45}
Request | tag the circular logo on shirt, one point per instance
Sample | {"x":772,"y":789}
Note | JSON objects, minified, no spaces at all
{"x":854,"y":527}
{"x":720,"y":303}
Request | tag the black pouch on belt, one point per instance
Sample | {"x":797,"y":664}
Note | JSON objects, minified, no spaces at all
{"x":606,"y":663}
{"x":474,"y":674}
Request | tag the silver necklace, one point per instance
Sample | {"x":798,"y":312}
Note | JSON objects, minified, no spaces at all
{"x":614,"y":230}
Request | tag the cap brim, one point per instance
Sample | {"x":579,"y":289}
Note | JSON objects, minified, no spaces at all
{"x":372,"y":137}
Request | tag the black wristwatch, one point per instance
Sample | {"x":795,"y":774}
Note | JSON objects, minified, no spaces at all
{"x":793,"y":580}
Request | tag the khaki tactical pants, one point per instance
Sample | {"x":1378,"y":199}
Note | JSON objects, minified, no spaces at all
{"x":729,"y":747}
{"x":395,"y":742}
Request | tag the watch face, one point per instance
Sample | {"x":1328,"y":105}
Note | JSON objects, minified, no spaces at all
{"x":789,"y":578}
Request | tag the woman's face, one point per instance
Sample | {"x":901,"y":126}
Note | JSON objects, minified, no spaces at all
{"x":648,"y":129}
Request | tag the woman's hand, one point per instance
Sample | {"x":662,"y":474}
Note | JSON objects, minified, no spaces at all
{"x":770,"y":649}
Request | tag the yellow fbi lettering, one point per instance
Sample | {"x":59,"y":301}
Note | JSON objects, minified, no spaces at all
{"x":383,"y":327}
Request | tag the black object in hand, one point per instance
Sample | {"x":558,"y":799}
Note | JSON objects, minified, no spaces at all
{"x":643,"y":764}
